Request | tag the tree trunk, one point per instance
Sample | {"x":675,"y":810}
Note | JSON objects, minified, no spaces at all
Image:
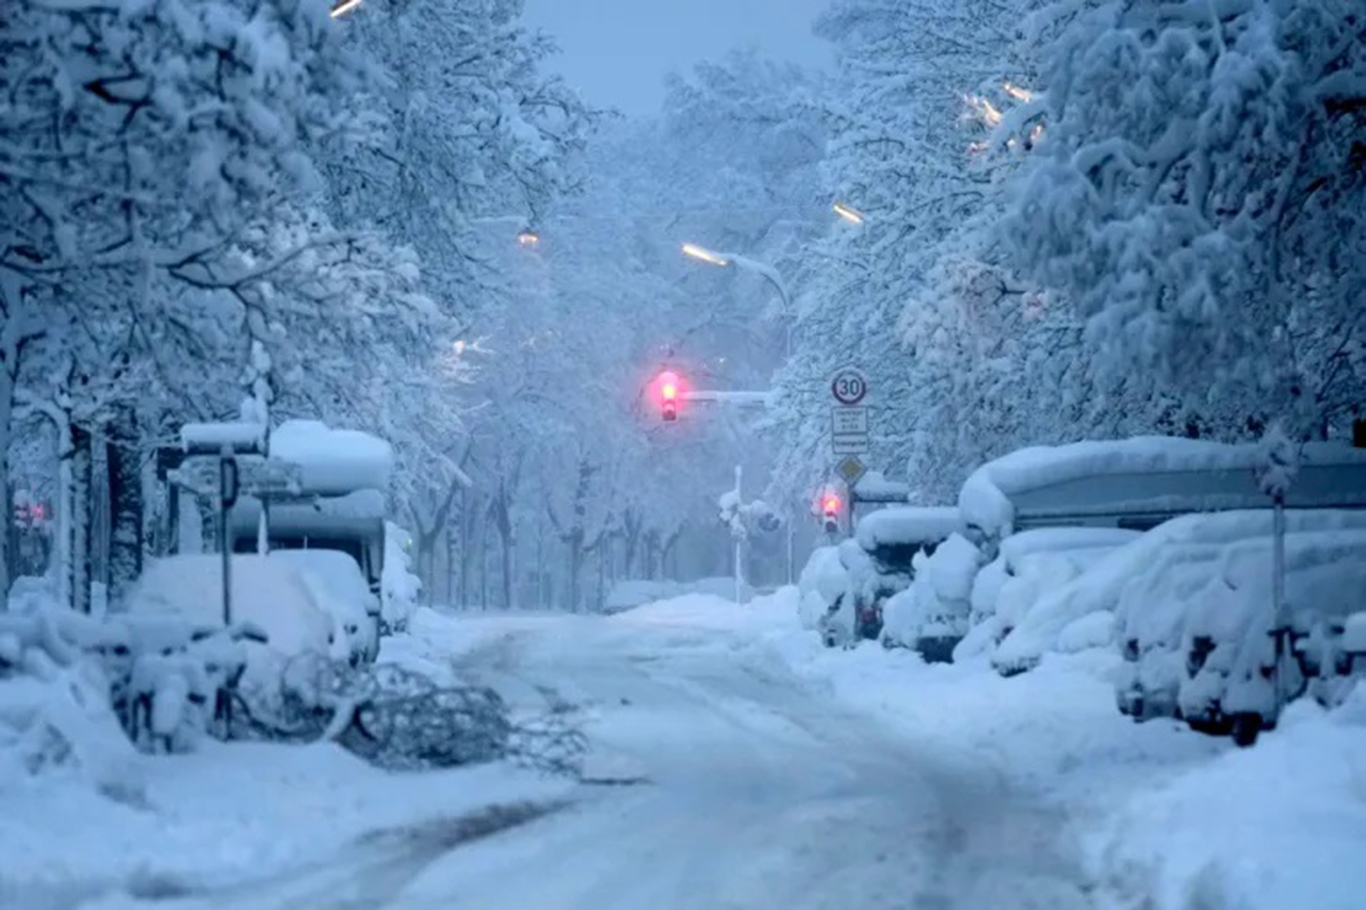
{"x":8,"y":371}
{"x":66,"y":505}
{"x":82,"y":507}
{"x":126,"y":505}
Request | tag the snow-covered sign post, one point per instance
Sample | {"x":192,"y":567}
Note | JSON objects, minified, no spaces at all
{"x":741,"y":517}
{"x":1276,"y":475}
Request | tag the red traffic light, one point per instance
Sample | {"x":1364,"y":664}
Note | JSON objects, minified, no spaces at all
{"x":832,"y":504}
{"x":669,"y":388}
{"x":668,"y":385}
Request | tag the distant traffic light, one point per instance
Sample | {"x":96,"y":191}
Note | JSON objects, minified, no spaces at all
{"x":668,"y":385}
{"x":830,"y":509}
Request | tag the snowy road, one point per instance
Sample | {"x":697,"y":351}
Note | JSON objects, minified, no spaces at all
{"x":753,"y":789}
{"x":763,"y":792}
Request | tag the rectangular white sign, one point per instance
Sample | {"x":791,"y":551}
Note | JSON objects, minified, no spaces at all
{"x":849,"y":421}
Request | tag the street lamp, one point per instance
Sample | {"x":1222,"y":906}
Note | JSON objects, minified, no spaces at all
{"x":528,"y":238}
{"x":848,"y":213}
{"x":769,"y":274}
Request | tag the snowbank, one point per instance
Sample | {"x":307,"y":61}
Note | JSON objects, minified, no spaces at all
{"x":1278,"y":826}
{"x":55,"y":710}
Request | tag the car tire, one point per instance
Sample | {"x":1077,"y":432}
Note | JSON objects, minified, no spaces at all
{"x":1245,"y":727}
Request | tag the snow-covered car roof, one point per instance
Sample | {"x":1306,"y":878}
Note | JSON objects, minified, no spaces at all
{"x":265,"y":592}
{"x":905,"y":525}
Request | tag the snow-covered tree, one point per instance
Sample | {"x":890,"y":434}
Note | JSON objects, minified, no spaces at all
{"x":1201,"y":197}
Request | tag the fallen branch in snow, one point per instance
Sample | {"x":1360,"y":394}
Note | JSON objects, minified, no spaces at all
{"x":396,"y":718}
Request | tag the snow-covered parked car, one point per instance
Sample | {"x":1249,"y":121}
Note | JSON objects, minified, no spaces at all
{"x":931,"y":616}
{"x":1059,"y":613}
{"x":1029,"y":565}
{"x":269,"y":594}
{"x":1227,"y":643}
{"x":1160,"y":579}
{"x":871,"y":567}
{"x":338,"y":586}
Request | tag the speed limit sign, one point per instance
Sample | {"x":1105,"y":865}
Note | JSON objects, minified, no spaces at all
{"x":849,"y":386}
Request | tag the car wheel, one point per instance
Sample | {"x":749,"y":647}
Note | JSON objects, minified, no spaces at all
{"x":1245,"y":726}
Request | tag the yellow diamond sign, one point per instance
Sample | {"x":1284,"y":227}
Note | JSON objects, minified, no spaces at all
{"x":850,"y":469}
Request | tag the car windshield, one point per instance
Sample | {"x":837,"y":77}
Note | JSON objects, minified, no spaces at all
{"x":642,"y":455}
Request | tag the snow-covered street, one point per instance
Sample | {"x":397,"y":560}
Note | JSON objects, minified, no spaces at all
{"x":734,"y":763}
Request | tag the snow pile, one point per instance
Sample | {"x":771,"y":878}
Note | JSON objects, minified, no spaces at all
{"x":333,"y":461}
{"x":399,"y":586}
{"x":634,"y":592}
{"x":1277,"y":826}
{"x":937,"y":605}
{"x":1100,"y":587}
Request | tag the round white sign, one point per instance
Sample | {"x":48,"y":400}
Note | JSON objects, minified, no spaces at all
{"x":849,"y":386}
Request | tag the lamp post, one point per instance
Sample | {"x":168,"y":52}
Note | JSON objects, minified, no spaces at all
{"x":772,"y":276}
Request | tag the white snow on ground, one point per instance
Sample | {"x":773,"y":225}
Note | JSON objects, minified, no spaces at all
{"x":1278,"y":827}
{"x":226,"y":813}
{"x":770,"y":772}
{"x":1164,"y":815}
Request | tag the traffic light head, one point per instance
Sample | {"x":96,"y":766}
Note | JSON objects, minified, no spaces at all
{"x":668,"y":387}
{"x":830,"y":511}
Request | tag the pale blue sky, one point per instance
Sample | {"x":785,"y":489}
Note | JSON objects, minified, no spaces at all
{"x":616,"y":52}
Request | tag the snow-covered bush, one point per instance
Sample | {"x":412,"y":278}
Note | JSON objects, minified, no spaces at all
{"x":933,"y":614}
{"x":55,"y":706}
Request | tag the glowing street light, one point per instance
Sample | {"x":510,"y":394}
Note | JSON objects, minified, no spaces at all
{"x":849,"y":214}
{"x":342,"y":7}
{"x":704,"y":254}
{"x":528,"y":238}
